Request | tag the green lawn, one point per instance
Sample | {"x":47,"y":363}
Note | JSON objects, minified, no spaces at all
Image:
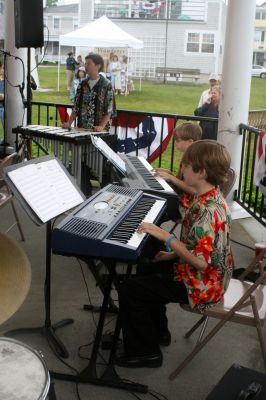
{"x":154,"y":97}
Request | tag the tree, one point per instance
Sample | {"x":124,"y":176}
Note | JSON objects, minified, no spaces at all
{"x":50,"y":3}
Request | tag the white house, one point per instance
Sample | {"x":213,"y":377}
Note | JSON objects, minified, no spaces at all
{"x":180,"y":34}
{"x":259,"y":54}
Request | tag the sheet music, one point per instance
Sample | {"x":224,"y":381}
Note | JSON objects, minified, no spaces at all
{"x":109,"y":154}
{"x":46,"y":188}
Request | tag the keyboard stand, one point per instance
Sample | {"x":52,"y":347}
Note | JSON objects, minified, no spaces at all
{"x":109,"y":377}
{"x":94,"y":268}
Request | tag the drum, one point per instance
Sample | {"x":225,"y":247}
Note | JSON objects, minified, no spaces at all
{"x":23,"y":374}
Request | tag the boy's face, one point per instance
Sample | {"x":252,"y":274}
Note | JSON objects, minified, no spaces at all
{"x":181,"y":144}
{"x":191,"y":178}
{"x":91,"y":68}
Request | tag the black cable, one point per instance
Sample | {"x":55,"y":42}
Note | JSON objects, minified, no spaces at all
{"x":45,"y":49}
{"x":153,"y":393}
{"x":19,"y":86}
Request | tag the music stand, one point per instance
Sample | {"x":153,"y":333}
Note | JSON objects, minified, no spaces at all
{"x":45,"y":190}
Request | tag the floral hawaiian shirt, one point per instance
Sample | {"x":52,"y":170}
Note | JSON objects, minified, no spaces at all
{"x":206,"y":234}
{"x":91,"y":105}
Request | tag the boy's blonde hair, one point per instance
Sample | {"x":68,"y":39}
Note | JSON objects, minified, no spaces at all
{"x":188,"y":131}
{"x":211,"y":156}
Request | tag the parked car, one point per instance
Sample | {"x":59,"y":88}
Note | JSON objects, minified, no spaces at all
{"x":258,"y":70}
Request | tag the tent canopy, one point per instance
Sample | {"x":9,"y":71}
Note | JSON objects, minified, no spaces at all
{"x":100,"y":33}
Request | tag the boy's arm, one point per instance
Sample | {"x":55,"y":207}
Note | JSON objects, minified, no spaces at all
{"x":158,"y":171}
{"x":176,"y":181}
{"x":176,"y":245}
{"x":182,"y":185}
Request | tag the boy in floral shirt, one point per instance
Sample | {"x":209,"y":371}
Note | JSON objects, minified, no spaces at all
{"x":94,"y":103}
{"x":201,"y":259}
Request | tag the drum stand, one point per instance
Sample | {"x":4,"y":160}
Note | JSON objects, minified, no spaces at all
{"x":48,"y":330}
{"x":109,"y":377}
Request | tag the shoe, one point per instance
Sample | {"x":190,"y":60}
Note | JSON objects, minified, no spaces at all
{"x":149,"y":361}
{"x":165,"y":338}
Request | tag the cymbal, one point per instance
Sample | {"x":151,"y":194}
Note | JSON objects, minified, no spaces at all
{"x":15,"y":276}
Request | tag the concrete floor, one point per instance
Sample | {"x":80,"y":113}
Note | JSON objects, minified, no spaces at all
{"x":234,"y":343}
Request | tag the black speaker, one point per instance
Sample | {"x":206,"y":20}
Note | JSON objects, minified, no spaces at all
{"x":28,"y":23}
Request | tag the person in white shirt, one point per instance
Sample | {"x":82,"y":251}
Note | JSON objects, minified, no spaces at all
{"x":206,"y":95}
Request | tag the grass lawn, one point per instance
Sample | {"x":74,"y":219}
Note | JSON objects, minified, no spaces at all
{"x":154,"y":97}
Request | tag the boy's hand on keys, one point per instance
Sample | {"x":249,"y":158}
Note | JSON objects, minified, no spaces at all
{"x":153,"y":230}
{"x":165,"y":174}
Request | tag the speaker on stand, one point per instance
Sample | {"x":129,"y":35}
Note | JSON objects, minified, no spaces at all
{"x":28,"y":33}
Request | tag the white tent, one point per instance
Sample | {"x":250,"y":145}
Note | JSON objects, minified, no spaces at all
{"x":99,"y":33}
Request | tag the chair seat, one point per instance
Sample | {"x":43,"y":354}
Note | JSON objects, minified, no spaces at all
{"x":235,"y":291}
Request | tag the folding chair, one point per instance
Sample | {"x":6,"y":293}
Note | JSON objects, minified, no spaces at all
{"x":5,"y":194}
{"x":228,"y":185}
{"x":243,"y":302}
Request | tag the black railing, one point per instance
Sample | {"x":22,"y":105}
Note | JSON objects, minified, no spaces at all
{"x":45,"y":113}
{"x":248,"y":194}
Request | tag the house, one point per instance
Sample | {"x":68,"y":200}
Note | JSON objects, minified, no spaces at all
{"x":58,"y":20}
{"x":259,"y":53}
{"x":179,"y":34}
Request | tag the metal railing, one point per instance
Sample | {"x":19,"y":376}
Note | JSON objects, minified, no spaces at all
{"x":248,"y":194}
{"x":44,"y":113}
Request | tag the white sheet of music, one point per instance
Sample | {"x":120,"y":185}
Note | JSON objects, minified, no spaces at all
{"x":46,"y":188}
{"x":109,"y":153}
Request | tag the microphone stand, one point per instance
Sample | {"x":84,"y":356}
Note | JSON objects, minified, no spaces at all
{"x":4,"y":144}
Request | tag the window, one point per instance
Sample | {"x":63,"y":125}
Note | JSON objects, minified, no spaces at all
{"x":55,"y":48}
{"x":75,"y":23}
{"x":200,"y":42}
{"x":193,"y":42}
{"x":257,"y":15}
{"x":257,"y":36}
{"x":56,"y":23}
{"x":207,"y":43}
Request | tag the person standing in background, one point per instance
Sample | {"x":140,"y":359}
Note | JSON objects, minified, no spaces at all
{"x":80,"y":62}
{"x":213,"y":81}
{"x":115,"y":68}
{"x":210,"y":109}
{"x":108,"y":66}
{"x":79,"y":77}
{"x":70,"y":69}
{"x":124,"y":79}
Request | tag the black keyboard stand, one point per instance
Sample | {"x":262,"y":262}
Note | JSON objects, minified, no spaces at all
{"x":94,"y":268}
{"x":48,"y":330}
{"x":109,"y":377}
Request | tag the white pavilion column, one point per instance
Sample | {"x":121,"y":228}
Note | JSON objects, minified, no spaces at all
{"x":236,"y":78}
{"x":13,"y":102}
